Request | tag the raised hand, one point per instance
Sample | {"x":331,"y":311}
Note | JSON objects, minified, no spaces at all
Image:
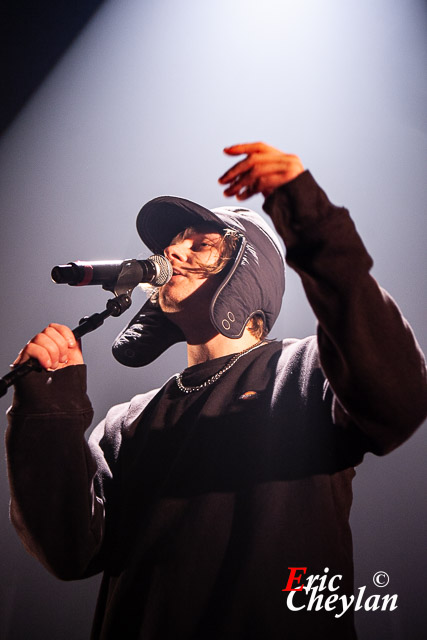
{"x":262,"y":171}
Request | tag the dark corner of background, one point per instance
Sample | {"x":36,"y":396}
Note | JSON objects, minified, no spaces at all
{"x":33,"y":36}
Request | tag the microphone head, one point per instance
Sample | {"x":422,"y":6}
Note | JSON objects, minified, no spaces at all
{"x":163,"y":269}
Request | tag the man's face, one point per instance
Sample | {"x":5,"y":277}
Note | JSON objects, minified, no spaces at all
{"x":188,"y":289}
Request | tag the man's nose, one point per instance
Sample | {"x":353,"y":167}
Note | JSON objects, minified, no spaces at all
{"x":177,"y":251}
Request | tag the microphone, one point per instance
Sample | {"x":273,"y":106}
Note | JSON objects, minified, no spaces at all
{"x":156,"y":270}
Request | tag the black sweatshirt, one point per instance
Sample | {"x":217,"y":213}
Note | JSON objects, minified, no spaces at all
{"x":195,"y":506}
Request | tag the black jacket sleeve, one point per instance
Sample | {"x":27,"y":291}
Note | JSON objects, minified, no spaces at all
{"x":367,"y":349}
{"x":53,"y":504}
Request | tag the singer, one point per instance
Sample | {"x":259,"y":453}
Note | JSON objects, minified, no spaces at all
{"x":195,"y":500}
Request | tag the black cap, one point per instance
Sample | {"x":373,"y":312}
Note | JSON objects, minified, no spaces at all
{"x":254,"y":283}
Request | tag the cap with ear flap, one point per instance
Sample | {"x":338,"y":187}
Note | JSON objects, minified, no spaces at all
{"x":253,"y":283}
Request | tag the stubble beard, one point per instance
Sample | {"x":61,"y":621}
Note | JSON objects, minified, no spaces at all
{"x":187,"y":309}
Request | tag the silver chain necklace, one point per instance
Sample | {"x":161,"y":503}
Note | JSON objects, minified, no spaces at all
{"x":216,"y":376}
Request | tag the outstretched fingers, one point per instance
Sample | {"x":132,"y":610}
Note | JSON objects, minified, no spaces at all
{"x":263,"y":170}
{"x":246,"y":147}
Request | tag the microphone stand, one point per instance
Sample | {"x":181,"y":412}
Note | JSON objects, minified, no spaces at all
{"x":127,"y":280}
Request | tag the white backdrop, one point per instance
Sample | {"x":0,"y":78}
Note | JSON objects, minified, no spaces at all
{"x":141,"y":105}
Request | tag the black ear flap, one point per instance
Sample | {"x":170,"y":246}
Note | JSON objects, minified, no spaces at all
{"x":146,"y":337}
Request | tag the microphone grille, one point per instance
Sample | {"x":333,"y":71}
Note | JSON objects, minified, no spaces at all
{"x":163,"y":268}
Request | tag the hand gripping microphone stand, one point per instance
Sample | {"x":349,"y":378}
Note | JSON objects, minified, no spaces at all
{"x":129,"y":277}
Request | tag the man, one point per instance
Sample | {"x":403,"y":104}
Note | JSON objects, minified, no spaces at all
{"x":196,"y":501}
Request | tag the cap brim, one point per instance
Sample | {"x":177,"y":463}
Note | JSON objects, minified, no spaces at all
{"x":163,"y":218}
